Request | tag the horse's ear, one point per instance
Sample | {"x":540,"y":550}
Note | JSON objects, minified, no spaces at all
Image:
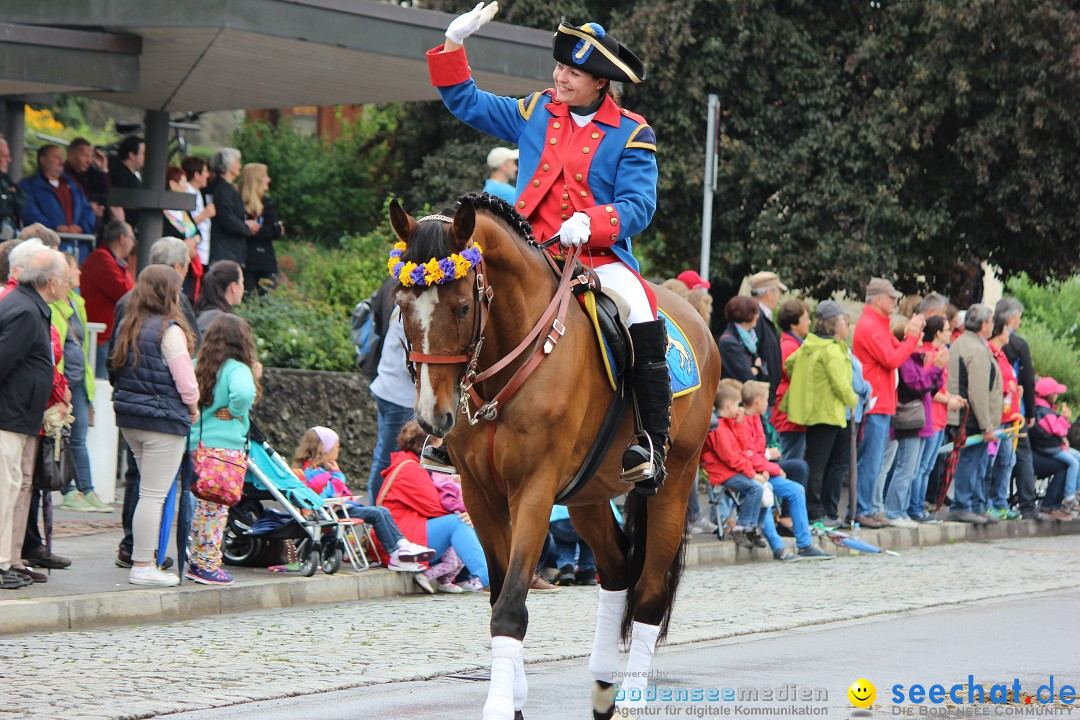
{"x":464,"y":224}
{"x":401,"y":221}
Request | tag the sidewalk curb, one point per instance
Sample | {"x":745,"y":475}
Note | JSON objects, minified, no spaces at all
{"x":81,"y":612}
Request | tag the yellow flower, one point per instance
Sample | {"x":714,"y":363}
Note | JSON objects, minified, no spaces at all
{"x":406,"y":274}
{"x":461,"y":266}
{"x":391,"y":263}
{"x":432,"y":272}
{"x":400,"y":245}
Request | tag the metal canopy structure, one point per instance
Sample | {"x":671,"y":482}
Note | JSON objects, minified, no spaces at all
{"x":238,"y":54}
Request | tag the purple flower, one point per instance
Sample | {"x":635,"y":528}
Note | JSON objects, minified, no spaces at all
{"x":472,"y":255}
{"x":417,"y":275}
{"x":396,"y":271}
{"x":447,"y":266}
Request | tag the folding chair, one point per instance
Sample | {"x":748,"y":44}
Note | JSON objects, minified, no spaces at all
{"x":355,"y":535}
{"x":722,"y":502}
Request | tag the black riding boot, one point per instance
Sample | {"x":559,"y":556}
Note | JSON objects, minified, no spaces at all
{"x":653,"y":391}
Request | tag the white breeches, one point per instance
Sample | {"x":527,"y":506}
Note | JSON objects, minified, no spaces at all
{"x":618,"y":277}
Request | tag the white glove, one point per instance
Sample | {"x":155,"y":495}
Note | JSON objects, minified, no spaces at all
{"x":465,"y":25}
{"x":575,"y":231}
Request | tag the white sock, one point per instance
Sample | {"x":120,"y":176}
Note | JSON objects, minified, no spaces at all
{"x":500,"y":700}
{"x":642,"y":647}
{"x":521,"y":684}
{"x":604,"y":661}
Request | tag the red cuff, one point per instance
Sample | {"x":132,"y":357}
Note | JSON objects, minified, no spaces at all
{"x":605,"y":226}
{"x":447,"y":69}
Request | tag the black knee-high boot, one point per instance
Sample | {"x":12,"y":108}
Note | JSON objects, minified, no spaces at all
{"x":653,"y":391}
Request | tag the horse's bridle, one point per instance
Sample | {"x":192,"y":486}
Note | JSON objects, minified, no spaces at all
{"x":551,"y":320}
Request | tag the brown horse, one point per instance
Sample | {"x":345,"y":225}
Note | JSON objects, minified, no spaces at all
{"x":515,"y":462}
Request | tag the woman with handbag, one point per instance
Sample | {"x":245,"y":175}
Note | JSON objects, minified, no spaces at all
{"x":921,"y":376}
{"x":228,"y":372}
{"x":156,"y":402}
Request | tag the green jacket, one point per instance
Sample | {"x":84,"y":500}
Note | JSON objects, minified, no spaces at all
{"x":235,"y":390}
{"x":61,"y":314}
{"x":821,"y":377}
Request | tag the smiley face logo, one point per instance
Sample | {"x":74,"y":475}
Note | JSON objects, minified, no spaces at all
{"x":862,"y":693}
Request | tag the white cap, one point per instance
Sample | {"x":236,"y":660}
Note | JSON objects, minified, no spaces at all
{"x":500,"y":155}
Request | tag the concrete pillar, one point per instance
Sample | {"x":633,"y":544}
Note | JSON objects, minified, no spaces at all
{"x":14,"y":129}
{"x":153,"y":177}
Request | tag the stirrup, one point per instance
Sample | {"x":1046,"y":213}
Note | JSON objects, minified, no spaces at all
{"x":436,"y":459}
{"x":640,"y":466}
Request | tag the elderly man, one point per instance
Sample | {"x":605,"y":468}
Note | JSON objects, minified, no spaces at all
{"x":105,"y":280}
{"x":880,"y":354}
{"x":766,"y":288}
{"x":26,"y":383}
{"x":54,"y":199}
{"x":974,"y":376}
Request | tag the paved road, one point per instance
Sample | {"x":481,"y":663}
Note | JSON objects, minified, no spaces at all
{"x":227,"y":660}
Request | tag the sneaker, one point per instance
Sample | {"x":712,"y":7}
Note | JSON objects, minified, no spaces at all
{"x":11,"y":580}
{"x":539,"y":584}
{"x":967,"y":517}
{"x":702,"y":526}
{"x":585,"y":577}
{"x":1070,"y":504}
{"x":785,"y":555}
{"x":40,"y":558}
{"x":151,"y":575}
{"x":449,"y":588}
{"x":1029,"y":514}
{"x":869,"y":521}
{"x":76,"y":501}
{"x":398,"y":566}
{"x":1010,"y":515}
{"x":27,"y":572}
{"x":437,"y":459}
{"x":739,"y":537}
{"x":412,"y":552}
{"x":830,"y":521}
{"x":991,"y":519}
{"x":206,"y":577}
{"x":424,"y":582}
{"x":123,"y":560}
{"x":566,"y":576}
{"x":97,"y":504}
{"x":925,"y":518}
{"x":754,"y":535}
{"x":813,"y":552}
{"x":902,"y":522}
{"x":473,"y":585}
{"x":1060,"y":514}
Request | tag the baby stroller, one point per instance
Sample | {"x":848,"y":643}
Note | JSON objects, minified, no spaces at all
{"x":320,"y":537}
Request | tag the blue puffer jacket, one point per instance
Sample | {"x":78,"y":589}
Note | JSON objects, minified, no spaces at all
{"x":146,"y":397}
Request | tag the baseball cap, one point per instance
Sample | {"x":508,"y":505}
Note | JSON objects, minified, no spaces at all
{"x":881,"y":286}
{"x":499,"y":155}
{"x":692,"y":280}
{"x":1049,"y":386}
{"x":829,"y":309}
{"x":766,"y":279}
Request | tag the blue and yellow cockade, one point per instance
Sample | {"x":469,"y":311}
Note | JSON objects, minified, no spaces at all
{"x":435,"y":271}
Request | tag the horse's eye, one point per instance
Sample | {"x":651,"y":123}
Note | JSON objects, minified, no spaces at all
{"x":462,"y":312}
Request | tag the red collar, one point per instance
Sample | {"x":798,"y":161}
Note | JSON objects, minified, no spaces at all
{"x":608,"y":114}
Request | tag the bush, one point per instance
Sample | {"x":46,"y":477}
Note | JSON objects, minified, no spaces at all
{"x":1055,"y":305}
{"x":294,"y":330}
{"x":1053,"y":355}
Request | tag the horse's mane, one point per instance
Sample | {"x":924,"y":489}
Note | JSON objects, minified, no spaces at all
{"x":502,"y":210}
{"x":433,"y":239}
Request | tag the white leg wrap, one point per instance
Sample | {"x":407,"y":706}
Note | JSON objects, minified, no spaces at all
{"x":521,"y":685}
{"x":604,"y":661}
{"x":500,"y":700}
{"x":642,"y":647}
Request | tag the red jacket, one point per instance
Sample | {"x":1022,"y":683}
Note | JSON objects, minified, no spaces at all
{"x":412,"y":498}
{"x":724,"y":454}
{"x":881,"y":354}
{"x":755,"y":445}
{"x":103,"y":283}
{"x":788,"y":344}
{"x":1009,"y":386}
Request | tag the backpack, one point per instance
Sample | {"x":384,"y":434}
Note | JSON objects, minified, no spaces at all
{"x":364,"y":337}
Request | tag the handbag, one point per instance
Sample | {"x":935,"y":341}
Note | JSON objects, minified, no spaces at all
{"x":54,"y":467}
{"x":910,"y":415}
{"x":219,"y":473}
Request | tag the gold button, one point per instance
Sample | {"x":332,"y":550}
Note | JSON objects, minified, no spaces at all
{"x":614,"y":236}
{"x":552,"y":141}
{"x":564,"y":187}
{"x":564,"y":206}
{"x":546,"y":166}
{"x":564,"y":217}
{"x":565,"y":196}
{"x":521,"y":203}
{"x":614,"y":221}
{"x":556,"y":125}
{"x":578,"y":177}
{"x":584,"y":194}
{"x":585,"y":149}
{"x":610,"y":209}
{"x":595,"y":135}
{"x":536,"y":183}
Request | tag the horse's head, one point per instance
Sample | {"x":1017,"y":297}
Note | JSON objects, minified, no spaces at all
{"x":438,"y":302}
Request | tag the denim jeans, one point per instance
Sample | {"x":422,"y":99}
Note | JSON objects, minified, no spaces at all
{"x":794,"y":496}
{"x":1071,"y":458}
{"x":871,"y":458}
{"x":929,"y":458}
{"x":381,"y":521}
{"x":451,"y":531}
{"x":1000,"y":473}
{"x":750,"y":510}
{"x":693,"y":507}
{"x":100,"y":371}
{"x":1045,"y":464}
{"x":80,"y":410}
{"x":793,"y":445}
{"x":391,"y":418}
{"x":968,"y":478}
{"x":570,"y":549}
{"x":908,"y":455}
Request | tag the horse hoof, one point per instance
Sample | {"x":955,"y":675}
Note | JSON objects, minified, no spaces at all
{"x":603,"y":700}
{"x":518,"y":715}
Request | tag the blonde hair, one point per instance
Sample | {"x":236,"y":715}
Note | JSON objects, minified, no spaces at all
{"x":309,"y":451}
{"x":701,"y":301}
{"x":754,"y":389}
{"x":251,"y":187}
{"x":676,"y":286}
{"x":725,"y":393}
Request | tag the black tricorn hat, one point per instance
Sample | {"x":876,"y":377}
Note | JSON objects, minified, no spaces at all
{"x":591,"y":49}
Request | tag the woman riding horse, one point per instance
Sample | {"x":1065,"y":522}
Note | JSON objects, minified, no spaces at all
{"x":588,"y":176}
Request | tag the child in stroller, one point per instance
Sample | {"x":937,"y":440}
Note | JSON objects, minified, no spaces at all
{"x":315,"y":462}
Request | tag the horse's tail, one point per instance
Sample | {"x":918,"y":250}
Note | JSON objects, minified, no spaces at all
{"x":636,"y":523}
